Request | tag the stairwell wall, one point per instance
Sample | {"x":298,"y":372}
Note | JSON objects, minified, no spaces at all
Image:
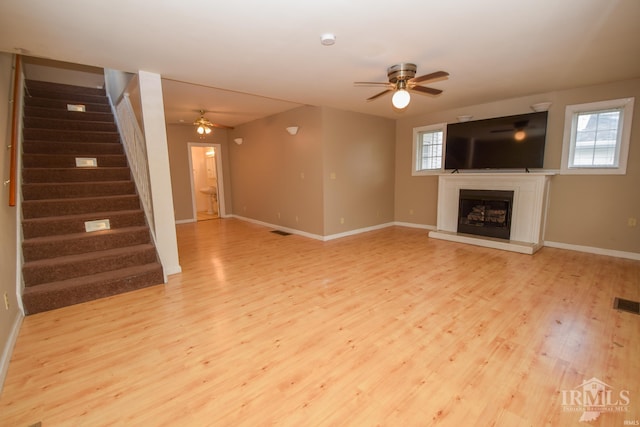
{"x":11,"y":317}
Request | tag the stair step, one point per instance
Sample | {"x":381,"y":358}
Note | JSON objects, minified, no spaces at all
{"x":74,"y":206}
{"x":81,"y":149}
{"x":61,"y":105}
{"x":55,"y":175}
{"x":68,"y":125}
{"x":31,"y":160}
{"x":39,"y":85}
{"x":68,"y":97}
{"x":78,"y":265}
{"x":46,"y":191}
{"x":62,"y":263}
{"x":51,"y":296}
{"x":58,"y":113}
{"x":69,"y":135}
{"x":71,"y":244}
{"x":70,"y":224}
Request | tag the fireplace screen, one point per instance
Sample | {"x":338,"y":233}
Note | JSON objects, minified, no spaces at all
{"x":485,"y":213}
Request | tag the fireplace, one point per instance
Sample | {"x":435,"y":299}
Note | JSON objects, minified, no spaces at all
{"x":527,"y":212}
{"x":485,"y":213}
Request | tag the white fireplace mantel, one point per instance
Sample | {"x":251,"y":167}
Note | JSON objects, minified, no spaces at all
{"x":530,"y":192}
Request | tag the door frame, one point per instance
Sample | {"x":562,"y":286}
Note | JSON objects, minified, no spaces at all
{"x":220,"y":178}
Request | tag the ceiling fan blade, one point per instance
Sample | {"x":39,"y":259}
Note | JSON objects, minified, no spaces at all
{"x":379,"y":94}
{"x":216,"y":125}
{"x":427,"y":90}
{"x":372,"y":84}
{"x":432,"y":76}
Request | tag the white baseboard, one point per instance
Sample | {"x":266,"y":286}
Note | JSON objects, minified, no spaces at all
{"x":414,"y":225}
{"x":357,"y":231}
{"x":185,"y":221}
{"x":593,"y":250}
{"x":7,"y":351}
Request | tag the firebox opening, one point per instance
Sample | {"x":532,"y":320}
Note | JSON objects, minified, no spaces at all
{"x":485,"y":213}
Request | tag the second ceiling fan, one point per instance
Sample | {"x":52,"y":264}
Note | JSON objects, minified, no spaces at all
{"x":204,"y":126}
{"x":402,"y":79}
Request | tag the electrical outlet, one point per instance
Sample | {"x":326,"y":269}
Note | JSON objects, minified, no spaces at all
{"x":341,"y":220}
{"x":632,"y":222}
{"x":6,"y":301}
{"x":410,"y":211}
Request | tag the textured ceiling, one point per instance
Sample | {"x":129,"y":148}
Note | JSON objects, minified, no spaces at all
{"x":213,"y":55}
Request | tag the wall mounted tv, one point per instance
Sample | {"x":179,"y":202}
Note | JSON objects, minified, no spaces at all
{"x":512,"y":142}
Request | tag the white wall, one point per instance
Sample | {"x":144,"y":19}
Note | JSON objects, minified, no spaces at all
{"x":158,"y":157}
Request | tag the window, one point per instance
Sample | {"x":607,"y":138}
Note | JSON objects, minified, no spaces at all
{"x":596,"y":137}
{"x":428,"y":149}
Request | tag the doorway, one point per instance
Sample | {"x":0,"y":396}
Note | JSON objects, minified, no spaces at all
{"x":207,"y":185}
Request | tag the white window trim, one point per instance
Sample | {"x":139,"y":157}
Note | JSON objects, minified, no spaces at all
{"x":627,"y":114}
{"x":414,"y":158}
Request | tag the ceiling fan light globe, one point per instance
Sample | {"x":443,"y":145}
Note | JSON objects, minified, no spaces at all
{"x":401,"y":99}
{"x":200,"y":129}
{"x":207,"y":130}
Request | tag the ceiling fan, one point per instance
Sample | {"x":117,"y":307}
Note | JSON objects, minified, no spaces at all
{"x":204,"y":126}
{"x":402,"y":80}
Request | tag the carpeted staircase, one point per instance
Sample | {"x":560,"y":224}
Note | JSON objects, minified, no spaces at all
{"x":63,"y":264}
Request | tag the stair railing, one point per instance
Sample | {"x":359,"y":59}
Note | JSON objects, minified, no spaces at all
{"x":136,"y":150}
{"x":15,"y":131}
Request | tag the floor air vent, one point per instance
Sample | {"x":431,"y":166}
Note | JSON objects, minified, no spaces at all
{"x":281,"y":233}
{"x":626,"y":305}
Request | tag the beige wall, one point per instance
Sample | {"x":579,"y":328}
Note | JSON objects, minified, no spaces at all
{"x":589,"y":210}
{"x":584,"y":210}
{"x":8,"y":226}
{"x":179,"y":137}
{"x":358,"y":165}
{"x":276,"y":177}
{"x":334,"y":176}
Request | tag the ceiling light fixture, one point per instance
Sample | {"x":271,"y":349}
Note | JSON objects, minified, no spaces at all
{"x":292,"y":130}
{"x":203,"y":126}
{"x":204,"y":129}
{"x":401,"y":99}
{"x":541,"y":106}
{"x":401,"y":96}
{"x":328,"y":39}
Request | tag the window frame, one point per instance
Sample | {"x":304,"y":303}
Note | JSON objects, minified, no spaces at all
{"x":415,"y":158}
{"x":625,"y":105}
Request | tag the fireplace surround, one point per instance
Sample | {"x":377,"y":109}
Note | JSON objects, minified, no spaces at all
{"x":528,"y":214}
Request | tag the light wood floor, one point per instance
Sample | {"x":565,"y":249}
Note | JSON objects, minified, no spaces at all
{"x":384,"y":328}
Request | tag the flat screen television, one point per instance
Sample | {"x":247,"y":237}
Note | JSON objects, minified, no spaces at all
{"x":512,"y":142}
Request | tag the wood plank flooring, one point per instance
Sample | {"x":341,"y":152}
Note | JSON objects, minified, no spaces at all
{"x":384,"y":328}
